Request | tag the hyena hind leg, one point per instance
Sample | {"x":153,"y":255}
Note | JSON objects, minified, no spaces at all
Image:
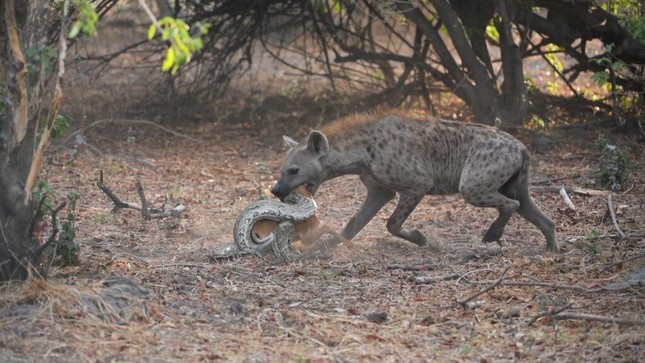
{"x":532,"y":213}
{"x":505,"y":207}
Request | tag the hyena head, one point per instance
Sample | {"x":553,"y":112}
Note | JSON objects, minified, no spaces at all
{"x":303,"y":165}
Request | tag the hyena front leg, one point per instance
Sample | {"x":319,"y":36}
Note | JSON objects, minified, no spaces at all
{"x":407,"y":203}
{"x":377,"y":197}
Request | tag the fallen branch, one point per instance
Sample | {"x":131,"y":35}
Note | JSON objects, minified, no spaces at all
{"x":549,"y":313}
{"x":570,"y":190}
{"x":604,"y":319}
{"x":484,"y":290}
{"x":550,"y":285}
{"x":118,"y":204}
{"x":84,"y":130}
{"x":613,"y":236}
{"x":544,"y":181}
{"x":641,"y":255}
{"x":423,"y":267}
{"x":421,"y":280}
{"x":566,"y":198}
{"x":613,"y":217}
{"x":561,"y":315}
{"x":146,"y":212}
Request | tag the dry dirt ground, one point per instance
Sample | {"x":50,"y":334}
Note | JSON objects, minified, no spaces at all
{"x":146,"y":290}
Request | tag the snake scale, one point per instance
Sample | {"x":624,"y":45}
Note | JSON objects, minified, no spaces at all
{"x":296,"y":208}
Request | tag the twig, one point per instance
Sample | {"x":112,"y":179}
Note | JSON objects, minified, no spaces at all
{"x":424,"y":267}
{"x":144,"y":203}
{"x":52,"y":238}
{"x":146,"y":212}
{"x":570,"y":190}
{"x":535,"y":182}
{"x":641,"y":255}
{"x":550,"y":313}
{"x":601,"y":318}
{"x":559,"y":314}
{"x":613,"y":217}
{"x":420,"y":280}
{"x":566,"y":198}
{"x":463,"y":302}
{"x":129,"y":121}
{"x":118,"y":204}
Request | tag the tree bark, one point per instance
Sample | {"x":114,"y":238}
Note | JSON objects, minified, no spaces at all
{"x":20,"y":89}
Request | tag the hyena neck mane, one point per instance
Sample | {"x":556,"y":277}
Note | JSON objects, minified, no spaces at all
{"x":349,"y":142}
{"x":349,"y":124}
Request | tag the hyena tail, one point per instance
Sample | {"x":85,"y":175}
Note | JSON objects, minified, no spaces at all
{"x":517,"y":188}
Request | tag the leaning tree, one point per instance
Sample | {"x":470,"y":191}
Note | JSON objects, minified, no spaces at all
{"x":23,"y":35}
{"x":34,"y":35}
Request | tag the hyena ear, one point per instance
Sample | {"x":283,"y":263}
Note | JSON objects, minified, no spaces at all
{"x":317,"y":142}
{"x":291,"y":143}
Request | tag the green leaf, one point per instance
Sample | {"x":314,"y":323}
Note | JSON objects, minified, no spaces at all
{"x":169,"y":61}
{"x":75,"y":30}
{"x":152,"y":30}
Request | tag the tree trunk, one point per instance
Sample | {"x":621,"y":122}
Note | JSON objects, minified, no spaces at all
{"x":22,"y":30}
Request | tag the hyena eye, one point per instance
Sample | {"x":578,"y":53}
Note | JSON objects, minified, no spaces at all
{"x":293,"y":170}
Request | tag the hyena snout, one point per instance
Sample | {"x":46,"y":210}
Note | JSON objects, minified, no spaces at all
{"x":279,"y":191}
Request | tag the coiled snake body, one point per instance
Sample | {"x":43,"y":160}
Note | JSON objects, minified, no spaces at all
{"x":296,"y":208}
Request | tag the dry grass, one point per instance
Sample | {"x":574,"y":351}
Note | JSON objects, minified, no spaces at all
{"x":356,"y":304}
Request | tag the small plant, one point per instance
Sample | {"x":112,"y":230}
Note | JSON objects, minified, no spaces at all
{"x":64,"y":252}
{"x":613,"y":164}
{"x":591,"y":247}
{"x":60,"y":127}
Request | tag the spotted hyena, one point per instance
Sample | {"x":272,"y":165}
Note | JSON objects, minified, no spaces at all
{"x":412,"y":156}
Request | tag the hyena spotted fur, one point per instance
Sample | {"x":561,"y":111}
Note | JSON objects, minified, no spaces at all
{"x":412,"y":156}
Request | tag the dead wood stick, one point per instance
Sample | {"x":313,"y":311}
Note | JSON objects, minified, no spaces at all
{"x":550,"y":313}
{"x":146,"y":212}
{"x":550,"y":285}
{"x":423,"y":267}
{"x":52,"y":237}
{"x":613,"y":217}
{"x":421,"y":280}
{"x":640,"y":255}
{"x":544,"y":181}
{"x":566,"y":198}
{"x":591,"y":238}
{"x":144,"y":203}
{"x":118,"y":204}
{"x":592,"y":317}
{"x":463,"y":302}
{"x":570,"y":190}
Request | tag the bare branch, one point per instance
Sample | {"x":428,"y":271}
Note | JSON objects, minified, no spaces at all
{"x":118,"y":204}
{"x":550,"y":313}
{"x":613,"y":217}
{"x":463,"y":302}
{"x":560,"y":314}
{"x":146,"y":212}
{"x":52,"y":237}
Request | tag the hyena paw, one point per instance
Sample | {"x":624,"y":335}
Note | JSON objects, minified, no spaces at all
{"x":493,"y":235}
{"x":418,"y":238}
